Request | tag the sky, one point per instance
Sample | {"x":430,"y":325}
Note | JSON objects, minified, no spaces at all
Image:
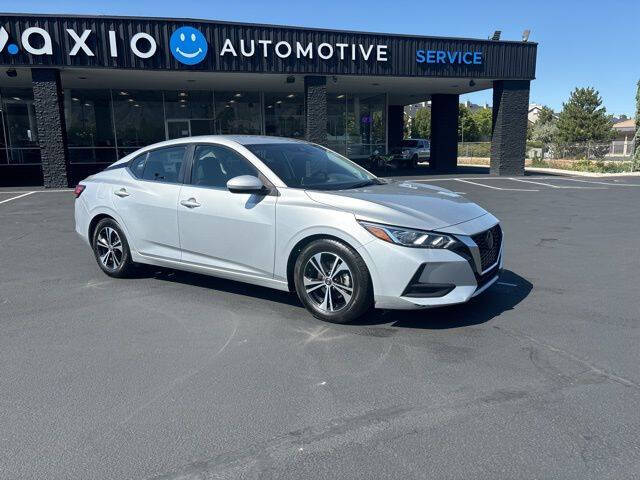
{"x":584,"y":43}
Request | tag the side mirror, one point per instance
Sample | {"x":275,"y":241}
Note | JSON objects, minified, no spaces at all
{"x":245,"y":184}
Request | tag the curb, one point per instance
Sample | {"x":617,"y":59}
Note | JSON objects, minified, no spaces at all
{"x":558,"y":171}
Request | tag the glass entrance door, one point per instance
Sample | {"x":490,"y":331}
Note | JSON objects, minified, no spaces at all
{"x":188,"y":127}
{"x":178,"y":129}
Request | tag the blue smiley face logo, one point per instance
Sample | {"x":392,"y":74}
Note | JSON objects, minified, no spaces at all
{"x":188,"y":45}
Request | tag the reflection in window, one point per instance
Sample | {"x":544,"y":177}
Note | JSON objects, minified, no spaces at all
{"x":188,"y":104}
{"x":164,"y":164}
{"x":365,"y":125}
{"x":90,"y":134}
{"x":284,"y":114}
{"x":138,"y":118}
{"x":214,"y":166}
{"x":20,"y":132}
{"x":188,"y":113}
{"x":238,"y":113}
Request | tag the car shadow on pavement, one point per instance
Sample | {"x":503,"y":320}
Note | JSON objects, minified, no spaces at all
{"x":217,"y":283}
{"x":502,"y":296}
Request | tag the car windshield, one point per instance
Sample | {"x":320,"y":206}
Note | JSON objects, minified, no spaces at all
{"x":410,"y":143}
{"x":302,"y":165}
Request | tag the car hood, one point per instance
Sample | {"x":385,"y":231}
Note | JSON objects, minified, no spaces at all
{"x":403,"y":203}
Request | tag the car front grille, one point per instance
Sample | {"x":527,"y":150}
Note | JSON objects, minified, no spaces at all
{"x":489,"y":243}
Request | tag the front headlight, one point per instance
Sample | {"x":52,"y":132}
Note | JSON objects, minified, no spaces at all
{"x":409,"y":237}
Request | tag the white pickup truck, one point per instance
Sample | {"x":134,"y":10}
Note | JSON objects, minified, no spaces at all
{"x":411,"y":151}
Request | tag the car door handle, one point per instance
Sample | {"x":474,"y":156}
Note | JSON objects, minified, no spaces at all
{"x":189,"y":203}
{"x":121,"y":193}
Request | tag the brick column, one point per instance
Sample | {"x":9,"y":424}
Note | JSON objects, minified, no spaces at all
{"x":509,"y":133}
{"x":49,"y":108}
{"x":395,"y":117}
{"x":444,"y":132}
{"x":315,"y":106}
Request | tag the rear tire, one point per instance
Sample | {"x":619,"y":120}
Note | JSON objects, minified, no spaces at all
{"x":111,"y":249}
{"x":331,"y":266}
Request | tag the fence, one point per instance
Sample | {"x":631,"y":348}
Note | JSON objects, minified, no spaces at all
{"x":617,"y":150}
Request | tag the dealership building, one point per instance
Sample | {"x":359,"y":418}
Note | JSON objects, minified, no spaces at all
{"x":78,"y":92}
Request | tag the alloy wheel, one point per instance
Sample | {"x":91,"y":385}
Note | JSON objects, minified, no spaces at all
{"x":109,"y":246}
{"x":328,"y":281}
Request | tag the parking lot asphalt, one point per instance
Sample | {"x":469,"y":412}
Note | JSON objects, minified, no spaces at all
{"x":179,"y":376}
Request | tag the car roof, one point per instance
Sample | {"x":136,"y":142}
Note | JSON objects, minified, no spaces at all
{"x":239,"y":139}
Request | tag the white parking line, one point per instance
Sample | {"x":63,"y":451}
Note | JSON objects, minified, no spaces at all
{"x":554,"y":186}
{"x":497,"y":188}
{"x":486,"y":177}
{"x":52,"y":190}
{"x":15,"y":198}
{"x":604,"y":183}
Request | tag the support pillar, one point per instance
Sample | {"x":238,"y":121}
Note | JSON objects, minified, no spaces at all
{"x":444,"y":132}
{"x":49,"y":108}
{"x":395,"y":129}
{"x":315,"y":107}
{"x":509,"y":131}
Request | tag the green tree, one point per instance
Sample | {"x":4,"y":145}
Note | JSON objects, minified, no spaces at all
{"x":421,"y":125}
{"x":545,"y":133}
{"x":406,"y":129}
{"x":545,"y":130}
{"x":584,"y":119}
{"x":636,"y":155}
{"x":483,"y":118}
{"x":467,"y":128}
{"x":546,"y":115}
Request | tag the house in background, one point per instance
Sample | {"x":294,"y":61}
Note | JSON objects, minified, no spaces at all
{"x":623,"y":142}
{"x":534,"y":112}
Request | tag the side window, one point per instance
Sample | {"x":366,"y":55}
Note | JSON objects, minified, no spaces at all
{"x":215,"y":165}
{"x":163,"y":165}
{"x":137,"y":165}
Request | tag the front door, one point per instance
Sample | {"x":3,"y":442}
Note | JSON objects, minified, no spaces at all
{"x":230,"y":231}
{"x":178,"y":129}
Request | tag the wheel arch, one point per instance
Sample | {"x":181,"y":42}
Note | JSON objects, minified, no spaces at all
{"x":302,"y":243}
{"x":94,"y":223}
{"x":104,"y":212}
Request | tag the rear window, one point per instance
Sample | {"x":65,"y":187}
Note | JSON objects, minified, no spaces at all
{"x":137,"y":165}
{"x":163,"y":165}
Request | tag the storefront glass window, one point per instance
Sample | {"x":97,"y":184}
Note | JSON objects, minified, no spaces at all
{"x":365,"y":125}
{"x":238,"y":113}
{"x":19,"y":124}
{"x":4,"y":158}
{"x":90,"y":132}
{"x":139,"y":119}
{"x":284,"y":114}
{"x":336,"y":122}
{"x":188,"y":113}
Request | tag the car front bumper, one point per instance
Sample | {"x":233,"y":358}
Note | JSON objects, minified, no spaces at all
{"x":442,"y":277}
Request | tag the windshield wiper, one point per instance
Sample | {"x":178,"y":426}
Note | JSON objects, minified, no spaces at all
{"x":366,"y":183}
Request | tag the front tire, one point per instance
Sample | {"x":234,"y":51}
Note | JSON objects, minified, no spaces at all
{"x":111,"y":249}
{"x":414,"y":162}
{"x":332,"y":281}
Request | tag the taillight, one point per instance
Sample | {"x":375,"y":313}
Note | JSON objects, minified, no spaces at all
{"x":78,"y":190}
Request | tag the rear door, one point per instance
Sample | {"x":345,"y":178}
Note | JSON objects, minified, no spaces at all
{"x":147,"y":201}
{"x":231,"y":231}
